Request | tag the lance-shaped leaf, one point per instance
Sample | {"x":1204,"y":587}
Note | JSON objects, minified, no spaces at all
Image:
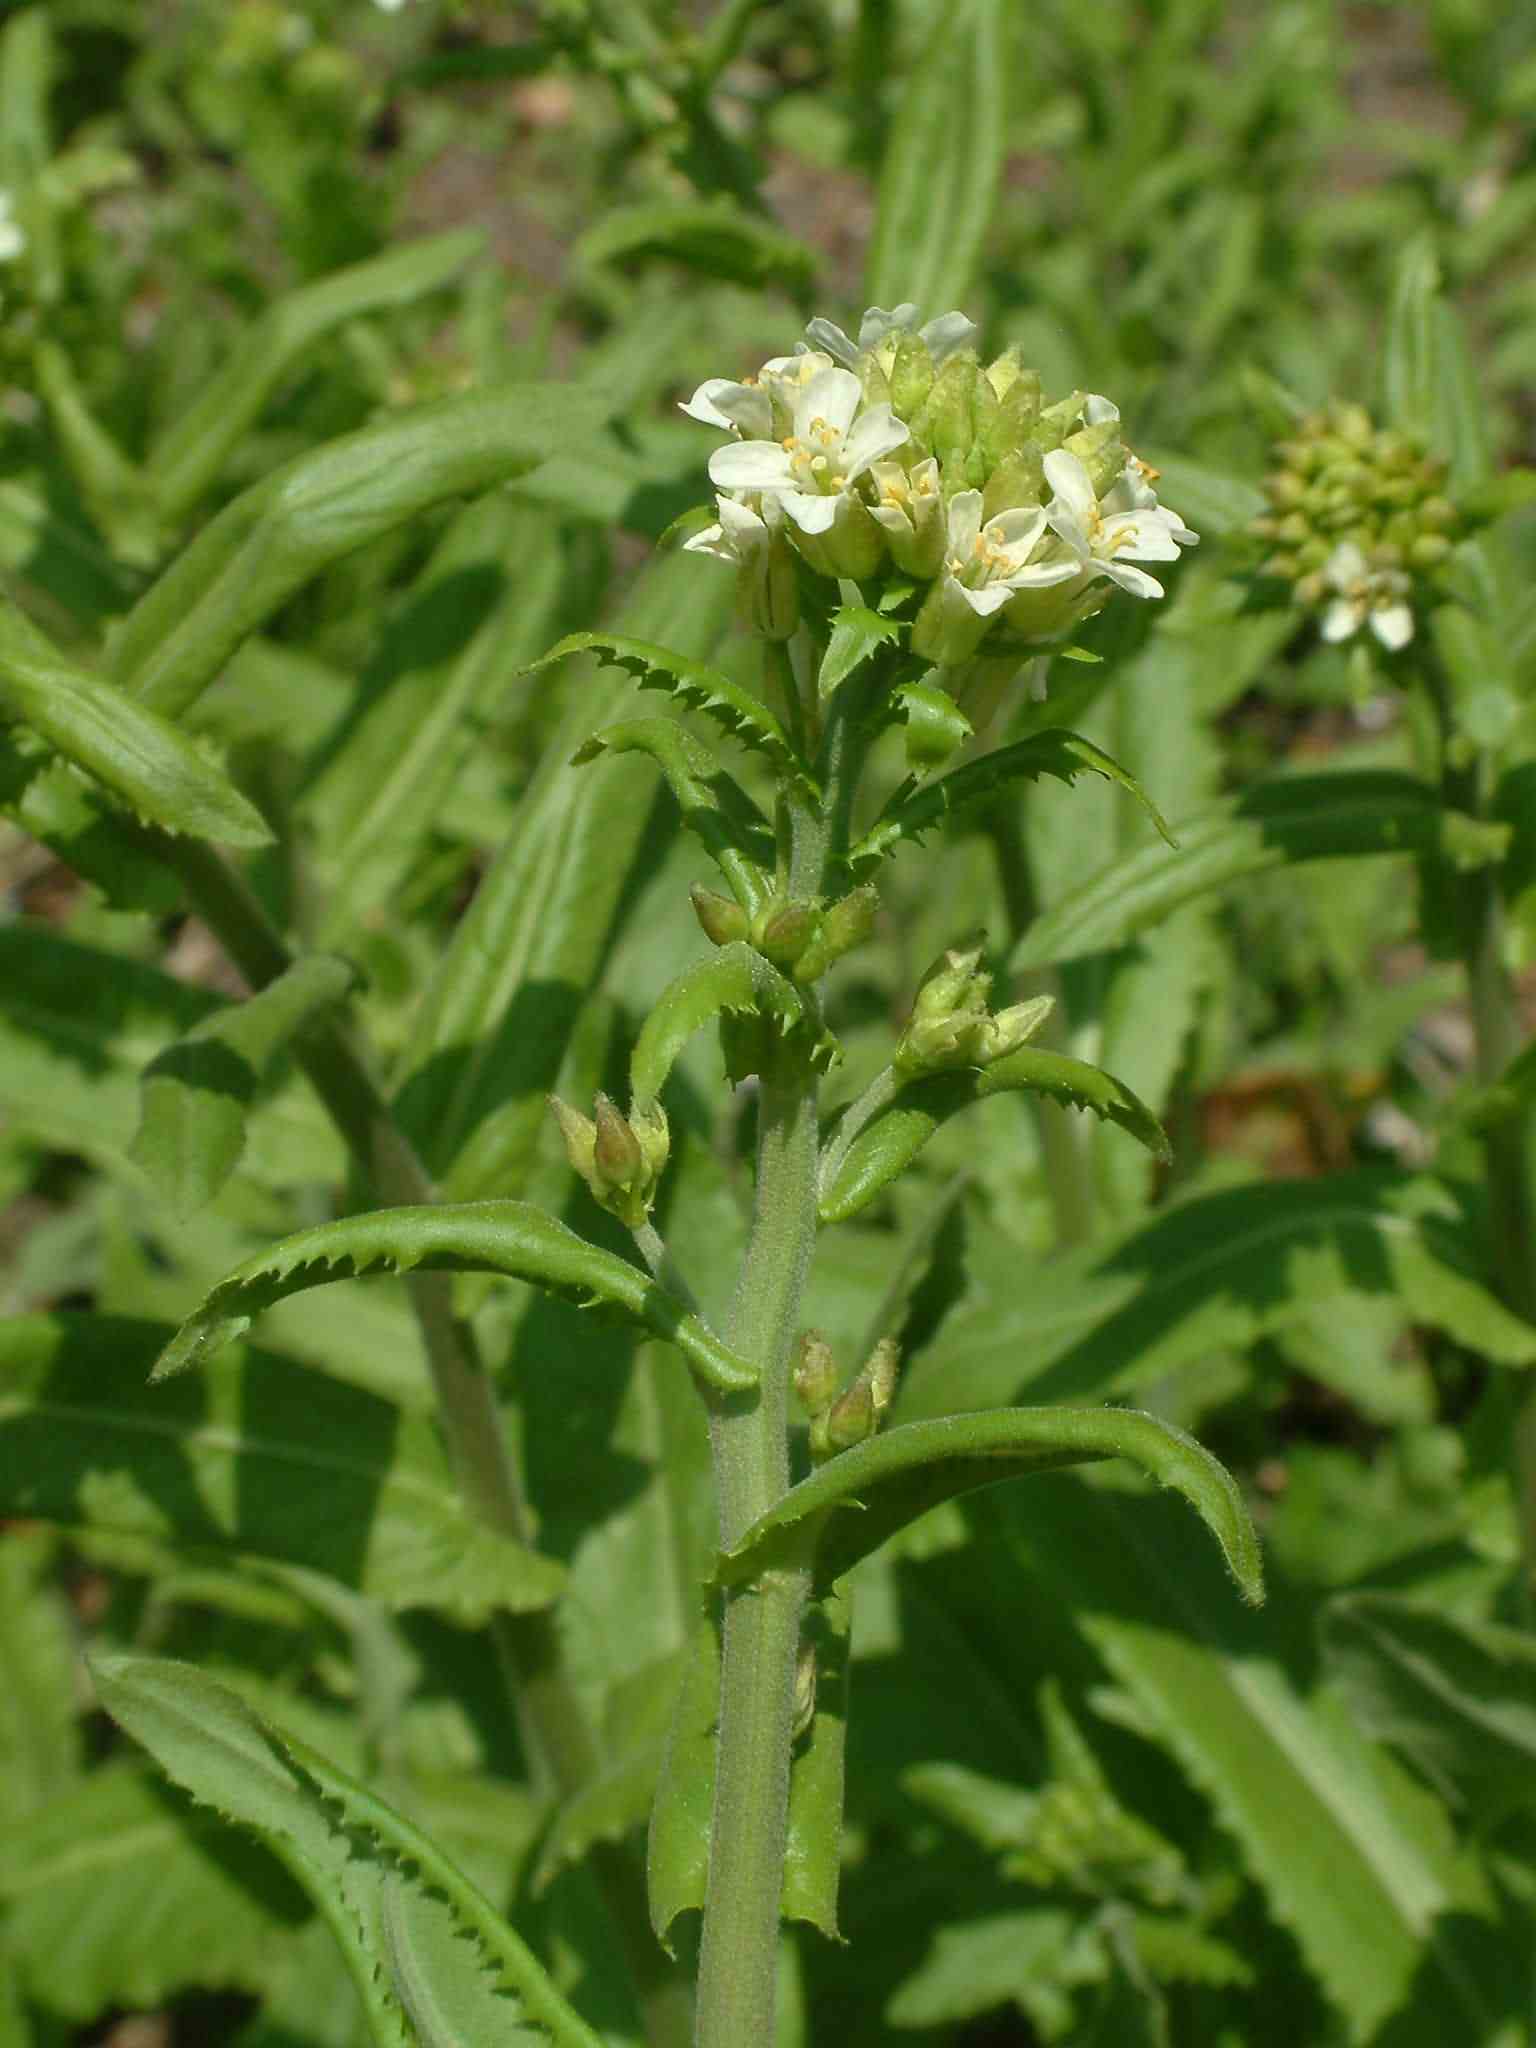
{"x":1457,"y":1696}
{"x":714,"y":236}
{"x":890,"y":1142}
{"x":432,"y":1959}
{"x":714,"y":805}
{"x":699,"y":685}
{"x":321,"y":506}
{"x":1056,"y":751}
{"x":130,"y":751}
{"x":857,"y":633}
{"x":258,"y":1457}
{"x":468,"y":1237}
{"x":188,"y":458}
{"x":736,"y":978}
{"x":1293,"y":818}
{"x":195,"y":1094}
{"x":854,"y":1502}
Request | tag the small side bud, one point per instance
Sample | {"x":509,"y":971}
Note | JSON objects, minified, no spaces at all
{"x":721,"y":918}
{"x":580,"y":1135}
{"x":805,"y":1688}
{"x":851,"y":919}
{"x":616,"y":1154}
{"x":815,"y":1373}
{"x":653,"y":1134}
{"x":851,"y":1419}
{"x":781,"y":931}
{"x":1015,"y":1026}
{"x":620,"y":1158}
{"x":880,"y":1370}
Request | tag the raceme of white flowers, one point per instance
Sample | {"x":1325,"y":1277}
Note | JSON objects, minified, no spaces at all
{"x":901,"y":456}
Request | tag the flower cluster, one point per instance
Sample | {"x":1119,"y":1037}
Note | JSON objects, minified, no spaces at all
{"x":952,"y":1024}
{"x":1357,"y":520}
{"x":901,"y":454}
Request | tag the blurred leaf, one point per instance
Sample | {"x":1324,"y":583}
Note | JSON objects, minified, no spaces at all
{"x":943,"y":158}
{"x":895,"y":1477}
{"x":714,"y":236}
{"x":324,"y":505}
{"x":128,"y":749}
{"x":1213,"y":1273}
{"x":39,"y":1737}
{"x":1457,"y":1696}
{"x":1428,"y":386}
{"x":195,"y":1094}
{"x":468,"y":1237}
{"x":1292,"y":818}
{"x":188,"y":458}
{"x":412,"y":1927}
{"x":256,"y":1457}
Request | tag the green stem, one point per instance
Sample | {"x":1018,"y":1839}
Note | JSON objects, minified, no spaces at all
{"x":557,"y":1739}
{"x":738,"y":1960}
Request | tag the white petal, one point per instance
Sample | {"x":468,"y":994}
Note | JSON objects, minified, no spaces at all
{"x":1344,"y":567}
{"x":878,"y":323}
{"x":721,"y":402}
{"x":811,"y":513}
{"x":1184,"y":535}
{"x":989,"y":599}
{"x":1340,"y":620}
{"x":831,"y":395}
{"x":894,"y":520}
{"x":709,"y":540}
{"x":1393,"y":626}
{"x":741,"y":525}
{"x":924,"y":476}
{"x":1041,"y":575}
{"x":964,"y":523}
{"x":874,"y":433}
{"x":751,"y":466}
{"x":1136,"y":581}
{"x":949,"y":332}
{"x":1133,"y":537}
{"x":1018,"y":531}
{"x":832,"y":340}
{"x":1097,"y":409}
{"x":1073,"y":489}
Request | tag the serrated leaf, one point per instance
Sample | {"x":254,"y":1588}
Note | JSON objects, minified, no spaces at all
{"x":195,"y":1094}
{"x":278,"y":535}
{"x":698,"y":685}
{"x":1206,"y":1275}
{"x":358,"y":1858}
{"x":188,"y":457}
{"x":465,"y":1237}
{"x":440,"y":1978}
{"x":1455,"y":1695}
{"x":857,"y":633}
{"x":714,"y":236}
{"x":936,"y":726}
{"x":899,"y":1475}
{"x":89,"y":1933}
{"x":1293,"y":818}
{"x":938,"y":183}
{"x":255,"y":1457}
{"x":736,"y":978}
{"x":1052,"y":752}
{"x":715,"y":808}
{"x":890,"y":1142}
{"x":131,"y":752}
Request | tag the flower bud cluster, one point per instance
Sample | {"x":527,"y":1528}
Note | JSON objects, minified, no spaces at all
{"x":901,"y":455}
{"x":621,"y":1158}
{"x":802,"y":938}
{"x":951,"y":1024}
{"x":841,"y":1419}
{"x":1357,"y":521}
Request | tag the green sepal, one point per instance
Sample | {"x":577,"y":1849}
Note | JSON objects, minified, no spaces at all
{"x":1066,"y":755}
{"x":715,"y":808}
{"x":895,"y":1477}
{"x":890,"y":1142}
{"x":698,"y":685}
{"x":512,"y":1238}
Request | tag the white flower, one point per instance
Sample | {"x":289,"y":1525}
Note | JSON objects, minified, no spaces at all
{"x":754,"y":406}
{"x":12,"y":240}
{"x":814,"y":467}
{"x":751,"y":539}
{"x":943,"y":336}
{"x":1366,"y":595}
{"x":985,"y":564}
{"x":1128,"y":527}
{"x":390,"y":6}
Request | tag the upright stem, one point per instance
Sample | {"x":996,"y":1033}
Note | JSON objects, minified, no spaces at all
{"x":739,"y":1955}
{"x":557,"y":1740}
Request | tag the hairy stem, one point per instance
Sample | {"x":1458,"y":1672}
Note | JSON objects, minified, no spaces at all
{"x":557,"y":1740}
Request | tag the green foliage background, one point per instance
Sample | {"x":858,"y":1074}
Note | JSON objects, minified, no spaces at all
{"x":1091,"y":1798}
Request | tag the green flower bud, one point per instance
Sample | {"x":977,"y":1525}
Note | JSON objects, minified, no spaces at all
{"x":1014,"y":1027}
{"x":1042,"y":616}
{"x":872,"y":375}
{"x":580,"y":1135}
{"x":850,"y":1420}
{"x":815,"y":1375}
{"x":880,"y":1370}
{"x":946,"y":423}
{"x":1019,"y":479}
{"x":846,"y":925}
{"x":1437,"y":513}
{"x":617,"y":1159}
{"x":774,"y":592}
{"x":721,"y":917}
{"x":1101,"y":452}
{"x":950,"y":1023}
{"x":852,"y":547}
{"x":1052,"y":426}
{"x":1284,"y":488}
{"x":911,"y":375}
{"x":653,"y":1134}
{"x":620,"y":1159}
{"x":993,"y":439}
{"x":782,"y":930}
